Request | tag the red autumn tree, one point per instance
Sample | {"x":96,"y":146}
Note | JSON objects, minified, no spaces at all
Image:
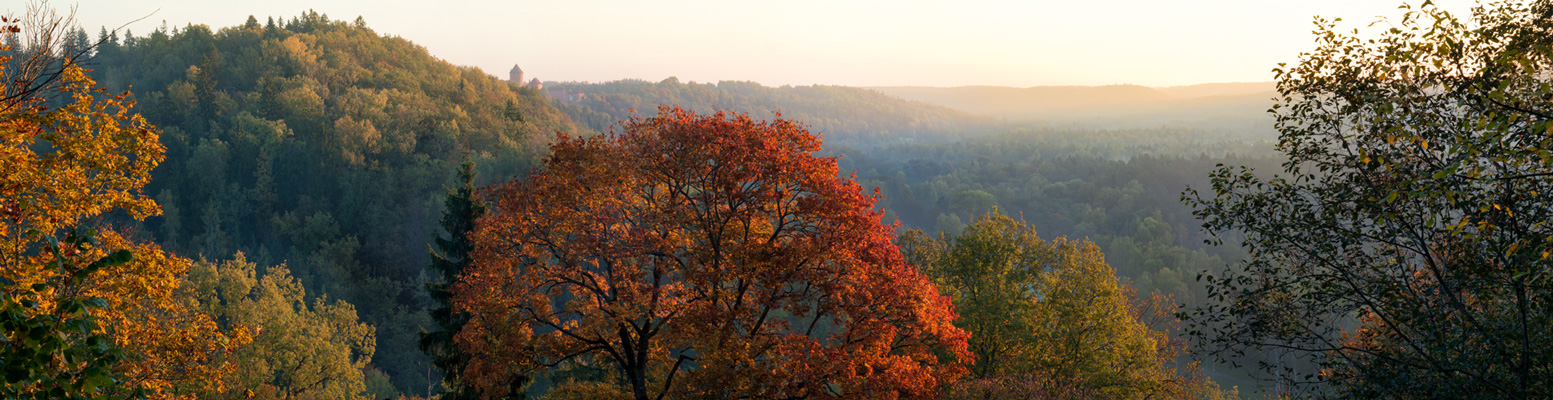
{"x":701,"y":257}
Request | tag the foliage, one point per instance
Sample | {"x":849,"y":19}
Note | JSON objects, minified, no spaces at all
{"x":1118,"y":188}
{"x":1039,"y":387}
{"x":60,"y":353}
{"x":325,"y":145}
{"x":991,"y":271}
{"x":1049,"y":319}
{"x":463,"y":208}
{"x":843,"y":114}
{"x":301,"y":348}
{"x":65,"y":162}
{"x":587,"y":390}
{"x":701,"y":257}
{"x":37,"y":53}
{"x":1405,"y":252}
{"x":1027,"y":386}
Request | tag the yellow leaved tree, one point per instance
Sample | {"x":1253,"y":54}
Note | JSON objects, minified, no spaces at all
{"x":303,"y":347}
{"x":72,"y":158}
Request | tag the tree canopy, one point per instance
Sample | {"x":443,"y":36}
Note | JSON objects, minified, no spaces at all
{"x":89,"y":311}
{"x":1404,"y":253}
{"x":702,"y":256}
{"x":1049,"y":319}
{"x":303,"y":347}
{"x":323,"y":145}
{"x":842,"y":114}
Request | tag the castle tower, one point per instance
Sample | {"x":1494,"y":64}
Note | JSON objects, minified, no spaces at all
{"x":535,"y":84}
{"x":516,"y":75}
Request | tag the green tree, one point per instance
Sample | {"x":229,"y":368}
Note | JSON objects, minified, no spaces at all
{"x":1049,"y":318}
{"x":301,"y":349}
{"x":1404,"y":251}
{"x":449,"y":261}
{"x":991,"y":270}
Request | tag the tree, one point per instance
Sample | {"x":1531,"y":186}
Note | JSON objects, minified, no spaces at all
{"x":302,"y":348}
{"x":59,"y":352}
{"x":991,"y":270}
{"x":69,"y":160}
{"x":1404,"y":252}
{"x":1049,"y":319}
{"x":463,"y":208}
{"x":42,"y":47}
{"x":310,"y":119}
{"x":702,"y":257}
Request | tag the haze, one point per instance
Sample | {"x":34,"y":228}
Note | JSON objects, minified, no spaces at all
{"x":855,"y":43}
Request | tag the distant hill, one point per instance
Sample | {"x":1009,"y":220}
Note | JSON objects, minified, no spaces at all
{"x":1049,"y":102}
{"x":1232,"y":89}
{"x":1240,"y":108}
{"x":1038,"y":102}
{"x":845,"y":115}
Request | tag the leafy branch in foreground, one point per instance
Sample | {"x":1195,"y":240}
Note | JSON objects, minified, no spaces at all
{"x":1405,"y":252}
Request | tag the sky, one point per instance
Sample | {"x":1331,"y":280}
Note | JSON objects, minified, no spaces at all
{"x":830,"y":42}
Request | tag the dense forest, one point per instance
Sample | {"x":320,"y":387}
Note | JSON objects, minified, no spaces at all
{"x":1120,"y":189}
{"x":307,"y":209}
{"x":845,"y":115}
{"x":1117,"y":186}
{"x":307,"y":159}
{"x":324,"y":146}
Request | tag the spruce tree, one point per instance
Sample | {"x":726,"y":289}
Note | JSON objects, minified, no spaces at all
{"x":449,"y":259}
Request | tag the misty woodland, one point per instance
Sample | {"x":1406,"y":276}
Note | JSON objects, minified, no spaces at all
{"x":305,"y":208}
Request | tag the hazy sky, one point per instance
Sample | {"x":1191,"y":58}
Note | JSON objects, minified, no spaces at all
{"x":840,"y":42}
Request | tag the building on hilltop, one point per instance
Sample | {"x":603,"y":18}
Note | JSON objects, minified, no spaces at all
{"x":516,"y":75}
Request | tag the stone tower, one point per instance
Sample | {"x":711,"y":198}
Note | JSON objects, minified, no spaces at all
{"x":516,"y":75}
{"x":535,"y":84}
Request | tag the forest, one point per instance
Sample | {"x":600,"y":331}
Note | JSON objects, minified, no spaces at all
{"x":846,"y":115}
{"x":305,"y":208}
{"x":322,"y":146}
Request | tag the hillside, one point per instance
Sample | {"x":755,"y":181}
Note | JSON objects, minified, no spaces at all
{"x":842,"y":114}
{"x":1239,"y":109}
{"x":1036,"y":102}
{"x":325,"y":146}
{"x":1230,"y":89}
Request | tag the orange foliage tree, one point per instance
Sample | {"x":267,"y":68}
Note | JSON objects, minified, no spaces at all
{"x":68,"y":157}
{"x":702,"y":257}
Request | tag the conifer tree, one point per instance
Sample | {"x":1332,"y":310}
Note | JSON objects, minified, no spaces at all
{"x":450,"y":259}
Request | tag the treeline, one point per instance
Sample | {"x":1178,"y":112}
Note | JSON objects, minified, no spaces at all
{"x":844,"y":115}
{"x":1234,"y":108}
{"x":306,"y":161}
{"x":717,"y":256}
{"x":723,"y":256}
{"x":1119,"y":188}
{"x":323,"y":146}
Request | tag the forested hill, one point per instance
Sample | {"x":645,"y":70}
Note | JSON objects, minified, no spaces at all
{"x":1238,"y":108}
{"x":326,"y":146}
{"x":1058,"y":101}
{"x":843,"y":114}
{"x":1031,"y":101}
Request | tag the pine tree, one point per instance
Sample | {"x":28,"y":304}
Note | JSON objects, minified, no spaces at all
{"x":450,"y":259}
